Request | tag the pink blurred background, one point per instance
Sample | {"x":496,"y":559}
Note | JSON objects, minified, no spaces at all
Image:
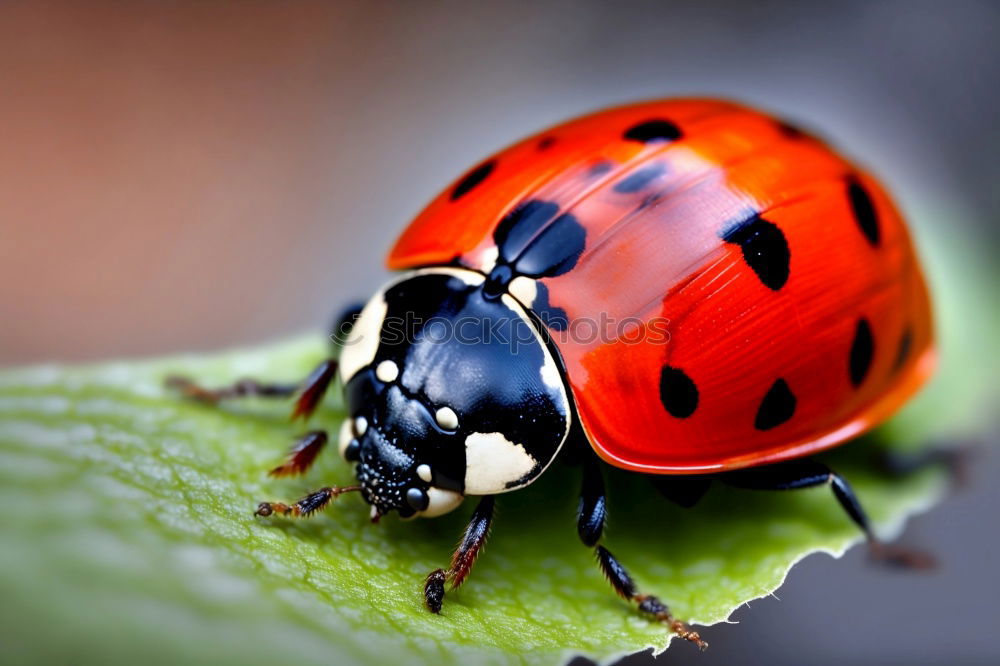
{"x":178,"y":176}
{"x":184,"y":176}
{"x":172,"y":176}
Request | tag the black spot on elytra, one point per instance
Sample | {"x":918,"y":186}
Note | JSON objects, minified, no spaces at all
{"x":655,"y":129}
{"x":793,"y":132}
{"x":864,"y":211}
{"x":600,"y":168}
{"x":862,"y":351}
{"x":678,"y":393}
{"x":777,"y":406}
{"x":546,"y":142}
{"x":790,"y":130}
{"x":904,"y":349}
{"x":764,"y":249}
{"x":551,"y":316}
{"x":639,"y":179}
{"x":536,"y":241}
{"x":519,"y":226}
{"x":472,"y":179}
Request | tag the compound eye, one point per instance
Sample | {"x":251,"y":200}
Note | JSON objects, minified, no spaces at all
{"x":352,"y":452}
{"x":417,"y":499}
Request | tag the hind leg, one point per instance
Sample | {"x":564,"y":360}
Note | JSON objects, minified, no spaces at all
{"x":954,"y":459}
{"x":806,"y":473}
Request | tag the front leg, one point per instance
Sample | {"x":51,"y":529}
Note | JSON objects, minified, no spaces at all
{"x":472,"y":542}
{"x":591,"y":517}
{"x":302,"y":454}
{"x":308,"y":505}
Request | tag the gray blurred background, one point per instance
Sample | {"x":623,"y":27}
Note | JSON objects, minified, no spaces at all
{"x":180,"y":176}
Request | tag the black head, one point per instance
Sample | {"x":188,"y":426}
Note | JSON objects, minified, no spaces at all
{"x":449,"y":392}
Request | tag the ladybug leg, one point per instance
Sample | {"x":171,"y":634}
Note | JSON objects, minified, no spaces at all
{"x":343,"y":324}
{"x":302,"y":454}
{"x":310,"y":391}
{"x":314,"y":388}
{"x":808,"y":473}
{"x":308,"y":505}
{"x":464,"y":557}
{"x":683,"y":491}
{"x":955,"y":459}
{"x":239,"y":389}
{"x":591,"y":517}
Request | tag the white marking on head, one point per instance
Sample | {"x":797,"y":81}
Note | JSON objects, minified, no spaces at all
{"x":524,"y":289}
{"x":440,"y":502}
{"x":361,"y":345}
{"x":492,"y":461}
{"x":488,"y":259}
{"x":447,"y":418}
{"x":387,"y":371}
{"x":346,"y":435}
{"x":360,"y":426}
{"x":362,"y":342}
{"x":424,"y":472}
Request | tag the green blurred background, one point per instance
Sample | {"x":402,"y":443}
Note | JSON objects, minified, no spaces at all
{"x":161,"y":162}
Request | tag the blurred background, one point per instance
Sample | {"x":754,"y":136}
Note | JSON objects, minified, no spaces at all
{"x":197,"y":175}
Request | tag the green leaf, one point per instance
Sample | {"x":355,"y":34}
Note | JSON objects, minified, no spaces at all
{"x":127,"y":534}
{"x":132,"y":531}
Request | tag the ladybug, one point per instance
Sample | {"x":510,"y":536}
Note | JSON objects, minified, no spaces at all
{"x":688,"y":289}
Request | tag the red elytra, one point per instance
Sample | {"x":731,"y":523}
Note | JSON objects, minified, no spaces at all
{"x":783,"y":276}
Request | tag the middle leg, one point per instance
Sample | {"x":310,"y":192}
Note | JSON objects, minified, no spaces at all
{"x":591,"y":516}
